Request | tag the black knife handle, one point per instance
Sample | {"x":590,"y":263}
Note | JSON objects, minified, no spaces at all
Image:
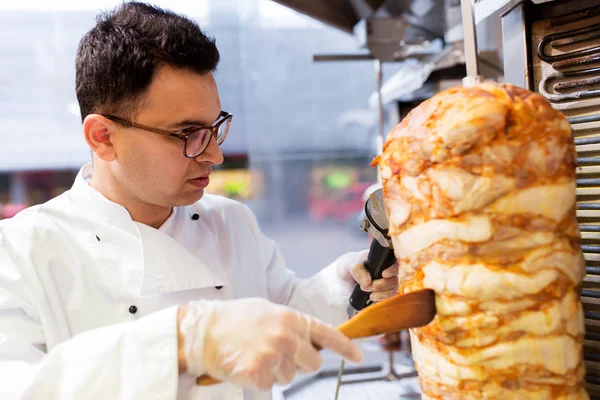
{"x":377,"y":261}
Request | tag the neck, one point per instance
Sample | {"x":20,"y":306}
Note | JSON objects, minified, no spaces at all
{"x":147,"y":214}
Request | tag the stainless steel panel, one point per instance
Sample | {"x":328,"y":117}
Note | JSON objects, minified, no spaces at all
{"x":590,"y":235}
{"x":565,"y":66}
{"x":589,"y":148}
{"x":486,"y":8}
{"x":591,"y":257}
{"x":567,"y":106}
{"x":587,"y":191}
{"x":588,"y":214}
{"x":588,"y":170}
{"x":514,"y":43}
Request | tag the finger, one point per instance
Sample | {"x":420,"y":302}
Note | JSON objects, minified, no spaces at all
{"x":286,"y":372}
{"x":301,"y":324}
{"x":265,"y":382}
{"x":263,"y":370}
{"x":391,"y":271}
{"x":307,"y":358}
{"x":379,"y":285}
{"x":379,"y":296}
{"x":360,"y":274}
{"x":328,"y":337}
{"x":259,"y":378}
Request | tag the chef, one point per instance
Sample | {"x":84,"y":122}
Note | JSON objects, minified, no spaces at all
{"x":134,"y":282}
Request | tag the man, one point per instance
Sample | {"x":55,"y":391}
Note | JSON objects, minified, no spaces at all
{"x":134,"y":283}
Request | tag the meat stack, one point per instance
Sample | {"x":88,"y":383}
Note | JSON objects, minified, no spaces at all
{"x":479,"y":189}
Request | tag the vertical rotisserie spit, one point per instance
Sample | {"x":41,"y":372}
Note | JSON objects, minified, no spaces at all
{"x":479,"y":189}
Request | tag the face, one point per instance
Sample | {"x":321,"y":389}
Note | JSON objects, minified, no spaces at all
{"x":152,"y":167}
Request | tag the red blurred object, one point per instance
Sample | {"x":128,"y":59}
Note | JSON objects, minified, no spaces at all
{"x":10,"y":210}
{"x":341,"y":205}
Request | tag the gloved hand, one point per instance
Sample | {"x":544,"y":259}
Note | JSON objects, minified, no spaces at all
{"x":252,"y":342}
{"x":351,"y":270}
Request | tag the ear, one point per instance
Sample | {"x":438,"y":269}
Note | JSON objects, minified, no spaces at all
{"x":97,"y":132}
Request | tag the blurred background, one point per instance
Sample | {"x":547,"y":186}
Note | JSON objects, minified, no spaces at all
{"x":303,"y":133}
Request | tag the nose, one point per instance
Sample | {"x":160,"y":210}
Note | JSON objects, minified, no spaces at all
{"x":211,"y":154}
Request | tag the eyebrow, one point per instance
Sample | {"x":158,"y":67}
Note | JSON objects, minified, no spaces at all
{"x":188,"y":122}
{"x":192,"y":122}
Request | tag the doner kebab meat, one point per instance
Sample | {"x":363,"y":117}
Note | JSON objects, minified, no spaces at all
{"x":479,"y":189}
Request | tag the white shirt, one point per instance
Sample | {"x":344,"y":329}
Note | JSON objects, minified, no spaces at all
{"x":71,"y":270}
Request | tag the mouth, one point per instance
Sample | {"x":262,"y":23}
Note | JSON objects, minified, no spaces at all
{"x":200,"y":182}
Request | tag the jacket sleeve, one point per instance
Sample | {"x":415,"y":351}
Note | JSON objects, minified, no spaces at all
{"x":323,"y":295}
{"x":130,"y":360}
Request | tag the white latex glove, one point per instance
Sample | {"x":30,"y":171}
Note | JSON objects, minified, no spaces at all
{"x":351,"y":270}
{"x":252,"y":342}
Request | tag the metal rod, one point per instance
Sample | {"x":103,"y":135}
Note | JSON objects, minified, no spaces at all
{"x":592,"y":140}
{"x":588,"y":118}
{"x":589,"y":228}
{"x":379,"y":140}
{"x":548,"y":89}
{"x":339,"y":380}
{"x":342,"y":57}
{"x":590,"y":293}
{"x":549,"y":58}
{"x":470,"y":41}
{"x":589,"y":182}
{"x":591,"y":357}
{"x":593,"y":270}
{"x":592,"y":379}
{"x":410,"y":374}
{"x":589,"y":206}
{"x":590,"y":248}
{"x":592,"y":336}
{"x":350,"y":371}
{"x":379,"y":75}
{"x":592,"y":315}
{"x":588,"y":161}
{"x":580,"y":104}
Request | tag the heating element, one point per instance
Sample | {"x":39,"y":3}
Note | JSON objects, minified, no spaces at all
{"x":563,"y":64}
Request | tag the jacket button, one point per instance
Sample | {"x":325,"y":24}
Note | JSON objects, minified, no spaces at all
{"x":195,"y":217}
{"x":218,"y":287}
{"x":132,"y":309}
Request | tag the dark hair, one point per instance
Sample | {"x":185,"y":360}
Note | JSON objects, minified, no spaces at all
{"x":116,"y":59}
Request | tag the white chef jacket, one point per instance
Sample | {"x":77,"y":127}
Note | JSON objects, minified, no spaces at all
{"x":88,"y":297}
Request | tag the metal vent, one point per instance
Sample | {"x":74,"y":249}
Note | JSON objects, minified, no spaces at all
{"x":566,"y":70}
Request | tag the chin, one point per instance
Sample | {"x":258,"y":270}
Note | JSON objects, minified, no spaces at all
{"x":188,"y":198}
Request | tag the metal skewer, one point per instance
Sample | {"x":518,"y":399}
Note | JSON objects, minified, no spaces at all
{"x":470,"y":40}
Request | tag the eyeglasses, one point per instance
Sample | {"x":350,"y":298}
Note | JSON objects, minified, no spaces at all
{"x":196,"y":138}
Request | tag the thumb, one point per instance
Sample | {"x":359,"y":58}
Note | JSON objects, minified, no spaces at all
{"x":361,"y":275}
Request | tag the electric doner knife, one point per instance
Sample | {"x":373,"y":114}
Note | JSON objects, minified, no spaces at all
{"x":381,"y":253}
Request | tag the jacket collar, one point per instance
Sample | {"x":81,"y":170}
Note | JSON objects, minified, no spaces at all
{"x":94,"y":203}
{"x":172,"y":259}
